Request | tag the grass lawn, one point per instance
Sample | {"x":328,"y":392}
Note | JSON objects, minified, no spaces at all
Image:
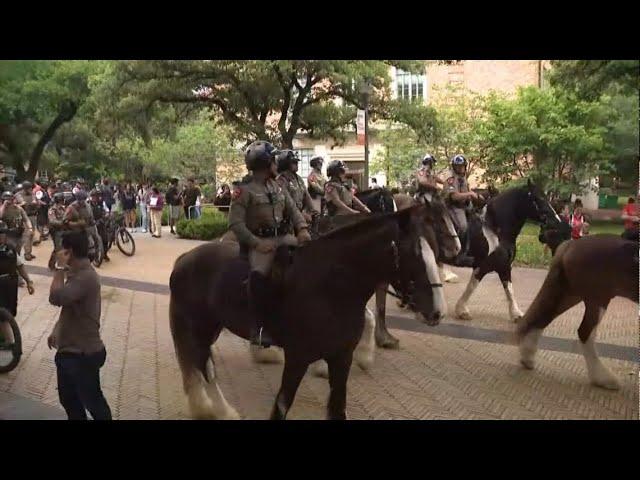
{"x":530,"y":252}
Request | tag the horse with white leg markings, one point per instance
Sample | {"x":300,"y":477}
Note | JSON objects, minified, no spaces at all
{"x":208,"y":293}
{"x":592,"y":270}
{"x":492,"y":239}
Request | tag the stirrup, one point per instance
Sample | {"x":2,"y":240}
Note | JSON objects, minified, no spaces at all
{"x":258,"y":341}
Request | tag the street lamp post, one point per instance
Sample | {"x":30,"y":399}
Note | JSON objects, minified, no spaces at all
{"x":366,"y":92}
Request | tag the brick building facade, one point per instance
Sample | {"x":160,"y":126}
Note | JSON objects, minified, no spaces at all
{"x":480,"y":76}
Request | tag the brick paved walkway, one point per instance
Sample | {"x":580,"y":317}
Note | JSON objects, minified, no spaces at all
{"x":433,"y":376}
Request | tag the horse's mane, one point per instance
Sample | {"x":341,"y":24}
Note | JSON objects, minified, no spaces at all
{"x":499,"y":206}
{"x":369,"y":221}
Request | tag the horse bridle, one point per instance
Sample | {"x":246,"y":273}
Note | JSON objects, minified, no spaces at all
{"x":406,"y":297}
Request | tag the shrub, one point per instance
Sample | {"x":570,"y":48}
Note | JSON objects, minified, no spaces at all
{"x":209,"y":226}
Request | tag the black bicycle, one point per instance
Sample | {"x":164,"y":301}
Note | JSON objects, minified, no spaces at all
{"x":10,"y":340}
{"x":118,"y":234}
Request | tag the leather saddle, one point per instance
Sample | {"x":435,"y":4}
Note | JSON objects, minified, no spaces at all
{"x":234,"y":278}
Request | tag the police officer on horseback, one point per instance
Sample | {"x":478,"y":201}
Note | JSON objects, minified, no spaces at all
{"x":316,"y":183}
{"x":263,"y":217}
{"x":459,"y":197}
{"x":426,"y":180}
{"x":340,"y":199}
{"x":290,"y":181}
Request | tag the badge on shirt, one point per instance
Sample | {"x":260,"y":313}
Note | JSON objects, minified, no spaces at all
{"x":236,"y":193}
{"x":450,"y":180}
{"x":312,"y":178}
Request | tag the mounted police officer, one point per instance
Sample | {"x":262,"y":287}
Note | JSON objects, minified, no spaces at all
{"x":426,"y":180}
{"x":459,"y":197}
{"x":316,"y":183}
{"x":261,"y":216}
{"x":26,"y":199}
{"x":338,"y":195}
{"x":56,"y":225}
{"x":290,"y":181}
{"x":16,"y":220}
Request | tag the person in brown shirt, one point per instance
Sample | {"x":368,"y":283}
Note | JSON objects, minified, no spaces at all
{"x":76,"y":335}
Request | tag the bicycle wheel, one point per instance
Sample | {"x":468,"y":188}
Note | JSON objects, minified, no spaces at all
{"x":99,"y":257}
{"x":125,"y":242}
{"x":10,"y":342}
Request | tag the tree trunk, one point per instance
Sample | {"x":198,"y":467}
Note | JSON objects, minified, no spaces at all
{"x":67,"y":112}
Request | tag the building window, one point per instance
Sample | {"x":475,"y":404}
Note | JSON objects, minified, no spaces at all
{"x":409,"y":86}
{"x":305,"y":155}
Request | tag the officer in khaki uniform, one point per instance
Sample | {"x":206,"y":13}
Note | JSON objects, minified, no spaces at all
{"x":458,"y":196}
{"x":26,"y":199}
{"x":426,"y":181}
{"x":262,"y":216}
{"x":290,"y":181}
{"x":316,"y":182}
{"x":17,"y":221}
{"x":56,"y":225}
{"x":79,"y":217}
{"x":340,"y":200}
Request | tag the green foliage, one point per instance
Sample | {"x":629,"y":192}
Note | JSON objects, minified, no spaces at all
{"x":36,"y":99}
{"x":210,"y":225}
{"x":590,"y":79}
{"x":271,"y":100}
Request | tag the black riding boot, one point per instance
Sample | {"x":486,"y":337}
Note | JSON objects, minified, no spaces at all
{"x":259,"y":306}
{"x":463,"y":259}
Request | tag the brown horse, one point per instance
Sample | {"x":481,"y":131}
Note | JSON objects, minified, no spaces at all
{"x":208,"y":293}
{"x":592,"y":270}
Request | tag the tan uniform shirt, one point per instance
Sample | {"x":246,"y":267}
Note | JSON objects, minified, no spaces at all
{"x":426,"y":178}
{"x":56,"y":216}
{"x":16,"y":218}
{"x":456,"y":184}
{"x":339,"y":196}
{"x":293,"y":183}
{"x":316,"y":182}
{"x":257,"y":205}
{"x":75,"y":212}
{"x":29,"y":202}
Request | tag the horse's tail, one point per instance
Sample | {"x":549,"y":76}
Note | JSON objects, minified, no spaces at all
{"x":193,"y":355}
{"x":550,"y":295}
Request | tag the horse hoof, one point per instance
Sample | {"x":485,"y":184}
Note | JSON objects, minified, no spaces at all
{"x":266,"y":355}
{"x":607,"y":382}
{"x":463,"y":316}
{"x":320,"y":369}
{"x":527,"y":363}
{"x":388,"y":342}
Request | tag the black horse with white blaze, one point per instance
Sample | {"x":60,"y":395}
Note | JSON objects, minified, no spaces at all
{"x":492,"y":239}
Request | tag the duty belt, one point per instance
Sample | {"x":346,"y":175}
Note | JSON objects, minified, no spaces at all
{"x":283,"y":228}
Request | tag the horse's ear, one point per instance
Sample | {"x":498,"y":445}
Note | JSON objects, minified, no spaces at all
{"x":404,"y":217}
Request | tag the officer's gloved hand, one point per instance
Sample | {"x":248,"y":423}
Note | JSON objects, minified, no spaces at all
{"x":303,"y":236}
{"x":265,"y":246}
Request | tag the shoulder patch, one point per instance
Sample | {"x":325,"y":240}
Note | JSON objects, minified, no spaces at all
{"x":328,"y":188}
{"x":421,"y":172}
